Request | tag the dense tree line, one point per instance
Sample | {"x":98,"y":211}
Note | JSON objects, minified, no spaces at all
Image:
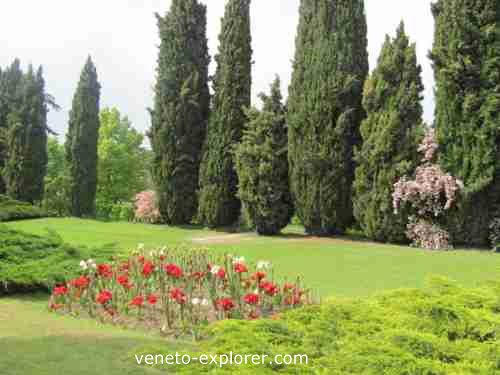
{"x":333,"y":152}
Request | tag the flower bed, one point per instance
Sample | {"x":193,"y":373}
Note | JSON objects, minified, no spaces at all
{"x":176,"y":291}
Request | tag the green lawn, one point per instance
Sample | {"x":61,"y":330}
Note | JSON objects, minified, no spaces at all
{"x":331,"y":266}
{"x":40,"y":343}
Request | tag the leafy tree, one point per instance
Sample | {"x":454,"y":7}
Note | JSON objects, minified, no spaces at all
{"x":218,"y":201}
{"x":56,"y":197}
{"x":26,"y":162}
{"x":180,"y":114}
{"x":325,"y":111}
{"x":390,"y":135}
{"x":122,"y":163}
{"x":81,"y":143}
{"x":466,"y":59}
{"x":262,"y":165}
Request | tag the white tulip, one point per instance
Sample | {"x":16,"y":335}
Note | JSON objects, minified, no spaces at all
{"x":204,"y":302}
{"x":195,"y":301}
{"x":83,"y":265}
{"x":215,"y":270}
{"x":263,"y":265}
{"x":140,"y":247}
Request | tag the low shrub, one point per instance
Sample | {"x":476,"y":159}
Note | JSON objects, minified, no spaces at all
{"x":444,"y":329}
{"x":146,"y":208}
{"x":11,"y":210}
{"x":30,"y":262}
{"x":176,"y":291}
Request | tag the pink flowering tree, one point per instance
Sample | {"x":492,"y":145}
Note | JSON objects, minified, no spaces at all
{"x":429,"y":196}
{"x":146,"y":207}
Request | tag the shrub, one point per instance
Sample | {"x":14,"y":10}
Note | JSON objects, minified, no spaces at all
{"x":444,"y":329}
{"x":429,"y":196}
{"x":176,"y":290}
{"x":11,"y":210}
{"x":30,"y":262}
{"x":146,"y":207}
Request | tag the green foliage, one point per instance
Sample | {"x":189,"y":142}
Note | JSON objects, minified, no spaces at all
{"x":122,"y":163}
{"x":30,"y":262}
{"x":325,"y":111}
{"x":390,"y":135}
{"x":466,"y":59}
{"x":57,"y":183}
{"x":81,"y":143}
{"x":443,"y":330}
{"x":23,"y":124}
{"x":218,"y":201}
{"x":262,"y":165}
{"x":11,"y":210}
{"x":181,"y":108}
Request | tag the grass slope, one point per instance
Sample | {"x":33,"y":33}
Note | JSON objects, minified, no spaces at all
{"x":339,"y":267}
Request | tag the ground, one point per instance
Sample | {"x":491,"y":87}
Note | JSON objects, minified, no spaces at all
{"x":40,"y":343}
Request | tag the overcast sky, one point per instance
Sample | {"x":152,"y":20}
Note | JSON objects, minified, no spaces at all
{"x":122,"y":37}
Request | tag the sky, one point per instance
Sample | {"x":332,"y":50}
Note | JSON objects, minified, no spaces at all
{"x":122,"y":38}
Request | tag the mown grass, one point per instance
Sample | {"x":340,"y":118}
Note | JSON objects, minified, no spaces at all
{"x":338,"y":266}
{"x":34,"y":341}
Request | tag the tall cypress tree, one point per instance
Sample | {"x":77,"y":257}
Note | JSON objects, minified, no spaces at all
{"x":218,"y":201}
{"x":262,"y":165}
{"x":10,"y":101}
{"x":466,"y":59}
{"x":325,"y":111}
{"x":390,"y":134}
{"x":180,"y":114}
{"x":81,"y":143}
{"x":26,"y":161}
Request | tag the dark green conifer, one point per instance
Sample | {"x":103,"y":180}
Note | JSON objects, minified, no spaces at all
{"x":325,"y":111}
{"x":390,"y":136}
{"x":81,"y":143}
{"x":218,"y":201}
{"x":26,"y":161}
{"x":180,"y":114}
{"x":466,"y":59}
{"x":262,"y":165}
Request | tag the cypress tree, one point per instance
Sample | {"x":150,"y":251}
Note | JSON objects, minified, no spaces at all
{"x":390,"y":136}
{"x":466,"y":60}
{"x":218,"y":201}
{"x":81,"y":143}
{"x":262,"y":165}
{"x":10,"y":101}
{"x":180,"y":114}
{"x":325,"y":111}
{"x":26,"y":162}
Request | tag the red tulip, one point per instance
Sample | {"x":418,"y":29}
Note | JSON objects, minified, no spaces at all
{"x":104,"y":297}
{"x":148,"y":268}
{"x":225,"y":304}
{"x":105,"y":270}
{"x":81,"y":282}
{"x":178,"y":296}
{"x":251,"y":299}
{"x":60,"y":290}
{"x":137,"y":301}
{"x":269,"y":288}
{"x":240,"y":268}
{"x":152,"y":299}
{"x":173,"y":270}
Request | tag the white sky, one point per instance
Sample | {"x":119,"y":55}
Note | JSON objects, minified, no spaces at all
{"x":122,"y":37}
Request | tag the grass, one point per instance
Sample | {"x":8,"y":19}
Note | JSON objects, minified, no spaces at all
{"x":33,"y":341}
{"x":338,"y":266}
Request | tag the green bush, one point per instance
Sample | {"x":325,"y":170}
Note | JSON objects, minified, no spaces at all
{"x":14,"y":210}
{"x":444,"y":329}
{"x":30,"y":262}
